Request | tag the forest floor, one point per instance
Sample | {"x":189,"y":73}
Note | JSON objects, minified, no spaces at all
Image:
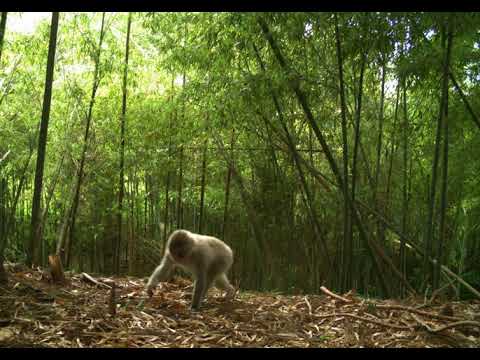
{"x":36,"y":313}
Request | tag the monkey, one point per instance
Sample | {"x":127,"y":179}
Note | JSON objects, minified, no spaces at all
{"x":206,"y":258}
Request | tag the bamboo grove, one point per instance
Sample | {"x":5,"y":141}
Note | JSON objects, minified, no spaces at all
{"x":337,"y":149}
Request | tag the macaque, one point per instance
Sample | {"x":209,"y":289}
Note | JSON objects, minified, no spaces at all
{"x":205,"y":257}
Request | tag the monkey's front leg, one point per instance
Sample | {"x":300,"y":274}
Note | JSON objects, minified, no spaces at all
{"x":161,"y":273}
{"x":199,"y":290}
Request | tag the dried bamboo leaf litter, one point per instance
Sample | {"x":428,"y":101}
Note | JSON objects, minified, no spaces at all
{"x":36,"y":313}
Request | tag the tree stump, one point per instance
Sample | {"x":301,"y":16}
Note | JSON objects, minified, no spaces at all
{"x":56,"y":269}
{"x":3,"y":274}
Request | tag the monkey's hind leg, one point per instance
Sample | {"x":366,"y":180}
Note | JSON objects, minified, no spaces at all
{"x":222,"y":283}
{"x":200,"y":290}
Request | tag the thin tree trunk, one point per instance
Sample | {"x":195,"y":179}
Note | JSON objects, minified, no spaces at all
{"x":326,"y":149}
{"x":227,"y":189}
{"x":291,"y":144}
{"x":63,"y":231}
{"x":429,"y":270}
{"x":350,"y":266}
{"x":263,"y":250}
{"x":180,"y":190}
{"x":416,"y":248}
{"x":3,"y":229}
{"x":70,"y":234}
{"x":371,"y":243}
{"x":51,"y":191}
{"x":202,"y":188}
{"x":145,"y":207}
{"x":34,"y":246}
{"x":122,"y":152}
{"x":402,"y":289}
{"x":465,"y":101}
{"x":180,"y":185}
{"x":3,"y":23}
{"x":10,"y":220}
{"x":392,"y":148}
{"x":131,"y":233}
{"x":380,"y":129}
{"x":380,"y":226}
{"x":166,"y":220}
{"x":443,"y":194}
{"x":347,"y":228}
{"x":167,"y":202}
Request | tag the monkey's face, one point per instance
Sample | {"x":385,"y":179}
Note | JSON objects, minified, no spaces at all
{"x":180,"y":249}
{"x":179,"y":253}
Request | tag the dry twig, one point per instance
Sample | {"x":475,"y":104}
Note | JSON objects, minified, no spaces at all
{"x":338,"y":297}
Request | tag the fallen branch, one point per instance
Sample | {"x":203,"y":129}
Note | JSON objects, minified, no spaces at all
{"x":445,"y":327}
{"x":90,"y":279}
{"x":420,"y":312}
{"x":416,"y":248}
{"x":422,"y":323}
{"x":461,"y":281}
{"x":458,"y":324}
{"x":338,"y":297}
{"x":308,"y":305}
{"x":377,"y":322}
{"x":465,"y":100}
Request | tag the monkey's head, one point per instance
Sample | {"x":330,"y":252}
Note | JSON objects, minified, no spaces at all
{"x":181,"y":245}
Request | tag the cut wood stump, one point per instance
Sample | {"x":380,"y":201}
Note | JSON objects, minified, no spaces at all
{"x":56,"y":269}
{"x":3,"y":274}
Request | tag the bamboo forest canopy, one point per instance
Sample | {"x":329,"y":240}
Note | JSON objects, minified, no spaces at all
{"x":325,"y":149}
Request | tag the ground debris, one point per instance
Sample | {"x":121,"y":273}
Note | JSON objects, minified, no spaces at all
{"x":37,"y":313}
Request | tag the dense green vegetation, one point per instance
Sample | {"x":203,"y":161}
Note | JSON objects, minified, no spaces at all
{"x":326,"y":149}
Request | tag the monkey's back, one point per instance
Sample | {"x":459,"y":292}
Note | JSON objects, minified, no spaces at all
{"x":215,"y":248}
{"x":207,"y":252}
